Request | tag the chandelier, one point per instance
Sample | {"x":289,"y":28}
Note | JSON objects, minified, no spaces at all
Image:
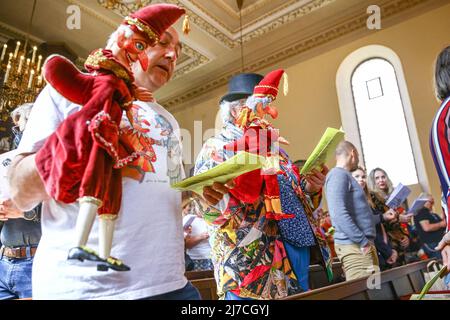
{"x":20,"y":75}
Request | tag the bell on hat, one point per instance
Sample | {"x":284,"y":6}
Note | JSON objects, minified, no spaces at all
{"x":241,"y":86}
{"x":269,"y":85}
{"x":154,"y":19}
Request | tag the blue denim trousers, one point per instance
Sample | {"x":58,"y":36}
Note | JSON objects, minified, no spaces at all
{"x":15,"y":278}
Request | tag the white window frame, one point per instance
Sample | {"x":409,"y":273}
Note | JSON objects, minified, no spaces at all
{"x":347,"y":103}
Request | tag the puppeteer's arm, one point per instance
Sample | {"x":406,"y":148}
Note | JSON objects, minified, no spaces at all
{"x":26,"y":187}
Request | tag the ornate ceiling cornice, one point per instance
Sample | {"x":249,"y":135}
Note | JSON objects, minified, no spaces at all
{"x":221,"y":32}
{"x":388,"y":9}
{"x":230,"y":38}
{"x":285,"y":19}
{"x":14,"y":33}
{"x":196,"y":60}
{"x":206,"y":26}
{"x":247,"y":10}
{"x":124,"y":8}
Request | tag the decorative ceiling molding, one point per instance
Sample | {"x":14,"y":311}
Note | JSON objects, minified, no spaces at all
{"x":122,"y":8}
{"x":204,"y":25}
{"x":258,"y":28}
{"x":284,"y":19}
{"x":388,"y":9}
{"x":196,"y":60}
{"x":249,"y":26}
{"x":13,"y":33}
{"x":246,"y":10}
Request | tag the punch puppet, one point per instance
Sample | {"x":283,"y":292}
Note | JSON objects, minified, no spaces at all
{"x":82,"y":160}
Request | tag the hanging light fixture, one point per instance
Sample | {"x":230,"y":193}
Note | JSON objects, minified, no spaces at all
{"x":240,"y":4}
{"x":20,"y":74}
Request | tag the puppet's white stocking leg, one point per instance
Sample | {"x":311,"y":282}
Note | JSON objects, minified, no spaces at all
{"x":85,"y":220}
{"x":106,"y":232}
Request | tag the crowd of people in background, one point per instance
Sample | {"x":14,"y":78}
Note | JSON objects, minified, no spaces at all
{"x":362,"y":232}
{"x":400,"y":237}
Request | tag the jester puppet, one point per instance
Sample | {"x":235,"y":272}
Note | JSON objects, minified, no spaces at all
{"x":260,"y":137}
{"x":265,"y":233}
{"x":81,"y":160}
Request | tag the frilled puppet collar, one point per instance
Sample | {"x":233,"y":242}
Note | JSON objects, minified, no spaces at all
{"x":103,"y":59}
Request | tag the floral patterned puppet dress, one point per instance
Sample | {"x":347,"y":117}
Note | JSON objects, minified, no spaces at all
{"x":81,"y":160}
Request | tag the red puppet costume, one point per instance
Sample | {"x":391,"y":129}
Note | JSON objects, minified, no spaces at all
{"x":260,"y":137}
{"x":82,"y":159}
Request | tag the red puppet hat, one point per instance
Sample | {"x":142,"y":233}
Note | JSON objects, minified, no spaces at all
{"x":154,"y":19}
{"x":269,"y":85}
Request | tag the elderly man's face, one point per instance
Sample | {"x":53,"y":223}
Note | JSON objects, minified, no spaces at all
{"x":162,"y":61}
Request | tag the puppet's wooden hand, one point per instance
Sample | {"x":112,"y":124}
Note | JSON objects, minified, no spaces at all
{"x":143,"y":94}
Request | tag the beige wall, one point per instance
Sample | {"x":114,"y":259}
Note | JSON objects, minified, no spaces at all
{"x":312,"y":103}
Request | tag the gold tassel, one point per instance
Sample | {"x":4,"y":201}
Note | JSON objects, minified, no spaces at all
{"x":285,"y":84}
{"x":186,"y":25}
{"x":242,"y":119}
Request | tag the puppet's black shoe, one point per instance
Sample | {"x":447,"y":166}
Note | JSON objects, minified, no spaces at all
{"x":113,"y":264}
{"x":83,"y":253}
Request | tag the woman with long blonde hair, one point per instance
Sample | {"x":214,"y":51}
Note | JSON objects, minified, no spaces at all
{"x":386,"y":255}
{"x":380,"y":186}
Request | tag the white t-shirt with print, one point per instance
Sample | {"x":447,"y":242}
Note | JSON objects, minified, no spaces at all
{"x":148,"y":234}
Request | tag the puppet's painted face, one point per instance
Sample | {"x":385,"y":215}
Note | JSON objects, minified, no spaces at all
{"x":262,"y":110}
{"x":133,"y":49}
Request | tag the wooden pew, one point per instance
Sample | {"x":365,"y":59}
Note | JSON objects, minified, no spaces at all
{"x":394,"y":284}
{"x":204,"y":280}
{"x":194,"y":275}
{"x":318,"y":277}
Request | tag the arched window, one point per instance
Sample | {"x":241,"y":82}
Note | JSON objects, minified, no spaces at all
{"x":377,"y":116}
{"x":381,"y":121}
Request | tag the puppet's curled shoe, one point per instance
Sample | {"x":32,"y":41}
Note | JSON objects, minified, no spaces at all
{"x":83,"y":253}
{"x":114,"y":264}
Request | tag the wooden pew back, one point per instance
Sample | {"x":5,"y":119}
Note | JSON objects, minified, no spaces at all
{"x":393,"y":284}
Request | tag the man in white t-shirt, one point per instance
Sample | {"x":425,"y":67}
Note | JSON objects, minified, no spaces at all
{"x":196,"y":238}
{"x":148,"y":234}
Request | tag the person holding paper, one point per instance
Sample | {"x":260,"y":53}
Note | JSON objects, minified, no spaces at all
{"x":386,"y":255}
{"x":196,"y":236}
{"x":252,"y":260}
{"x":351,"y":216}
{"x":380,"y":186}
